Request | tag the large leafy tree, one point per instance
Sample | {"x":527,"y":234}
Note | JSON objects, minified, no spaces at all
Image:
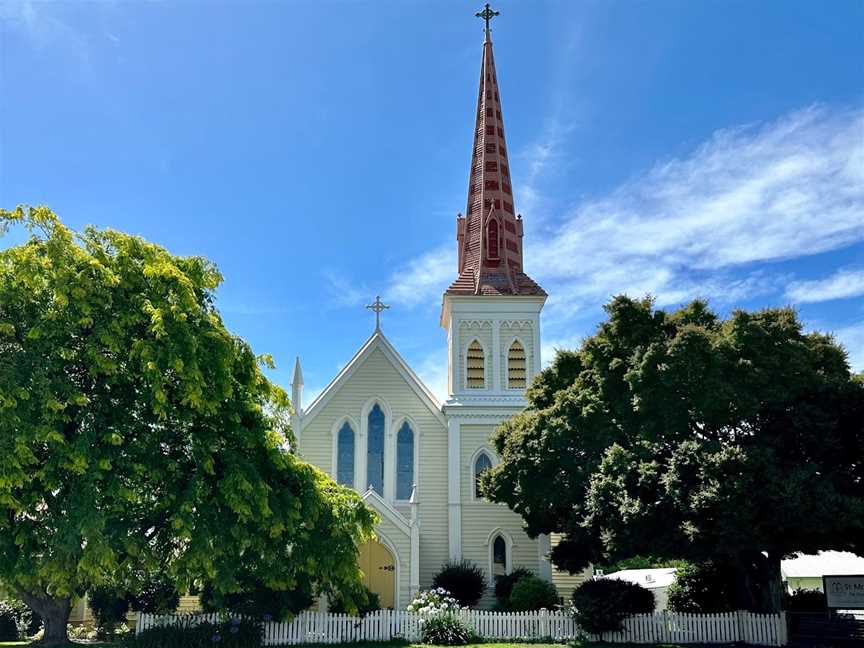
{"x":138,"y":435}
{"x":685,"y":435}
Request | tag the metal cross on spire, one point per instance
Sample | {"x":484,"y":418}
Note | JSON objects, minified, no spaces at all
{"x":487,"y":14}
{"x":377,"y":306}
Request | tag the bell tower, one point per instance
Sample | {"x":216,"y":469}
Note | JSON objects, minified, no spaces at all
{"x":492,"y":310}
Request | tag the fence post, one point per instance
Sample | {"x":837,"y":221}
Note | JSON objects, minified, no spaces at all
{"x":544,"y":624}
{"x":783,"y":630}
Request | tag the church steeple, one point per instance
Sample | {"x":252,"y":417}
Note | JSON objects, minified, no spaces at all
{"x":490,"y":234}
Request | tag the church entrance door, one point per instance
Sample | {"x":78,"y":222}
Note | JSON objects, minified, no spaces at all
{"x":379,"y":571}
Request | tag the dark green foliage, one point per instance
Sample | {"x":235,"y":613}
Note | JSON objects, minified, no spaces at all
{"x":802,"y":600}
{"x":157,"y":596}
{"x":465,"y":581}
{"x":504,"y":584}
{"x":361,"y":603}
{"x":109,"y":606}
{"x":684,"y":434}
{"x":703,"y":588}
{"x":257,"y":600}
{"x":446,"y":630}
{"x":232,"y":633}
{"x":15,"y":620}
{"x":602,"y":604}
{"x":532,"y":593}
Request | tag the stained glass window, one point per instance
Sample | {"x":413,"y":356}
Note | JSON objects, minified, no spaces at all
{"x":375,"y":450}
{"x":499,"y":556}
{"x":404,"y":462}
{"x":481,"y":465}
{"x":345,"y":455}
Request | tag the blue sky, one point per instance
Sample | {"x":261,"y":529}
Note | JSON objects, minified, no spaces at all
{"x":318,"y":152}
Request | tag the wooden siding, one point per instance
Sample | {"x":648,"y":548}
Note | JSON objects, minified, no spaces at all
{"x":565,"y":581}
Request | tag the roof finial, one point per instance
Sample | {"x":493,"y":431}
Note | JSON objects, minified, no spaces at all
{"x":377,"y":306}
{"x":487,"y":14}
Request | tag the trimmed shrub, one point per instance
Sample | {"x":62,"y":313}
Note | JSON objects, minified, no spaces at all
{"x":365,"y":601}
{"x":228,"y":634}
{"x":532,"y":593}
{"x":703,"y":588}
{"x":158,"y":596}
{"x":802,"y":600}
{"x":600,"y":605}
{"x":463,"y":579}
{"x":505,"y":582}
{"x":446,"y":630}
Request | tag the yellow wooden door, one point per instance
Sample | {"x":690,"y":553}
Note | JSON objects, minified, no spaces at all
{"x":379,"y":571}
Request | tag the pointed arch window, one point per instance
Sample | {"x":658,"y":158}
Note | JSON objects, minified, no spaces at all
{"x":375,"y":449}
{"x":481,"y":464}
{"x":499,"y":556}
{"x":404,"y":462}
{"x":345,"y":455}
{"x":476,"y":365}
{"x":492,"y":238}
{"x":517,"y":367}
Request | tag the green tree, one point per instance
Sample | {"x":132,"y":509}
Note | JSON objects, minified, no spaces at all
{"x":685,"y":435}
{"x":138,"y":434}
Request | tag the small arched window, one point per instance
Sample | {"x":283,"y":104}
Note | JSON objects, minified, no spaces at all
{"x":516,"y":366}
{"x":345,"y":455}
{"x":404,"y":462}
{"x":476,"y":366}
{"x":375,"y":450}
{"x":492,"y":238}
{"x":481,"y":464}
{"x":499,"y":556}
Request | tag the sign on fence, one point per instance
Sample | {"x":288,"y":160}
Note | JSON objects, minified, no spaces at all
{"x":844,"y":592}
{"x":384,"y":625}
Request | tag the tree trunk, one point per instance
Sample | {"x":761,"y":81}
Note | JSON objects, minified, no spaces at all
{"x":55,"y":615}
{"x":758,"y":583}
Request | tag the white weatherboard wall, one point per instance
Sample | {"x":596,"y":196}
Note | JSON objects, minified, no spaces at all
{"x":377,"y":377}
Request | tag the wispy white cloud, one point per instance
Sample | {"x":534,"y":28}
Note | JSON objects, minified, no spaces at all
{"x":43,"y":26}
{"x":424,"y":277}
{"x":846,"y":282}
{"x":433,"y":372}
{"x":344,"y":292}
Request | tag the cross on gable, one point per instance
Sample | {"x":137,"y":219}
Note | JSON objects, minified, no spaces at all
{"x":377,"y":306}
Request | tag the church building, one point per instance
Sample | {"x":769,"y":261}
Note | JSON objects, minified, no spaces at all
{"x":378,"y":429}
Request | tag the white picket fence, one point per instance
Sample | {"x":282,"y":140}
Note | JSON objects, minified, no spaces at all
{"x":384,"y":625}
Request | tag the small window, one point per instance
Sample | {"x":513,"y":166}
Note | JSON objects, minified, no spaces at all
{"x":516,"y":366}
{"x":490,"y":147}
{"x":492,"y":238}
{"x":476,"y":366}
{"x":481,"y":465}
{"x":499,"y":556}
{"x":345,"y":455}
{"x":491,"y":165}
{"x":490,"y":130}
{"x":491,"y":185}
{"x":375,"y":450}
{"x":489,"y":112}
{"x":404,"y":462}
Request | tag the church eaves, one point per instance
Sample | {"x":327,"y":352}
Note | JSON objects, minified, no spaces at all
{"x":490,"y":234}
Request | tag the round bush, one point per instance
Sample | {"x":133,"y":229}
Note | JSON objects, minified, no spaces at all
{"x":158,"y":596}
{"x":464,"y":580}
{"x":446,"y":630}
{"x":505,"y":582}
{"x":532,"y":593}
{"x":109,"y":606}
{"x":257,"y":600}
{"x":600,"y":605}
{"x":365,"y":601}
{"x":703,"y":588}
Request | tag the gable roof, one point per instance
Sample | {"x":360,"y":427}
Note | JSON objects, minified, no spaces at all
{"x":376,"y":341}
{"x":378,"y":503}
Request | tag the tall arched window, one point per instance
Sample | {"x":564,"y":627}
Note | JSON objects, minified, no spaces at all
{"x":492,"y":238}
{"x":481,"y":464}
{"x":476,"y":366}
{"x":404,"y":462}
{"x":516,"y":366}
{"x":345,"y":455}
{"x":499,"y":556}
{"x":375,"y":449}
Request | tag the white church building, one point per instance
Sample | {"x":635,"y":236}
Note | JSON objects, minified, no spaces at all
{"x":377,"y":428}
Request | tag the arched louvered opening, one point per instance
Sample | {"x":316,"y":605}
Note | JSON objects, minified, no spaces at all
{"x":517,"y":367}
{"x":476,"y":366}
{"x":492,"y":238}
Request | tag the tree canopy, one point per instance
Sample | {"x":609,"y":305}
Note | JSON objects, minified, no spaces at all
{"x":686,"y":435}
{"x":137,"y":433}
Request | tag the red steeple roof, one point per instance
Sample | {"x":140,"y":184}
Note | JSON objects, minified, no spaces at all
{"x":490,"y":234}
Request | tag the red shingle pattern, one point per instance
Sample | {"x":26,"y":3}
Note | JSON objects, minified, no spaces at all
{"x":481,"y":271}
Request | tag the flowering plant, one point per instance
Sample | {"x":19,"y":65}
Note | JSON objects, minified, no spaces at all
{"x":434,"y":601}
